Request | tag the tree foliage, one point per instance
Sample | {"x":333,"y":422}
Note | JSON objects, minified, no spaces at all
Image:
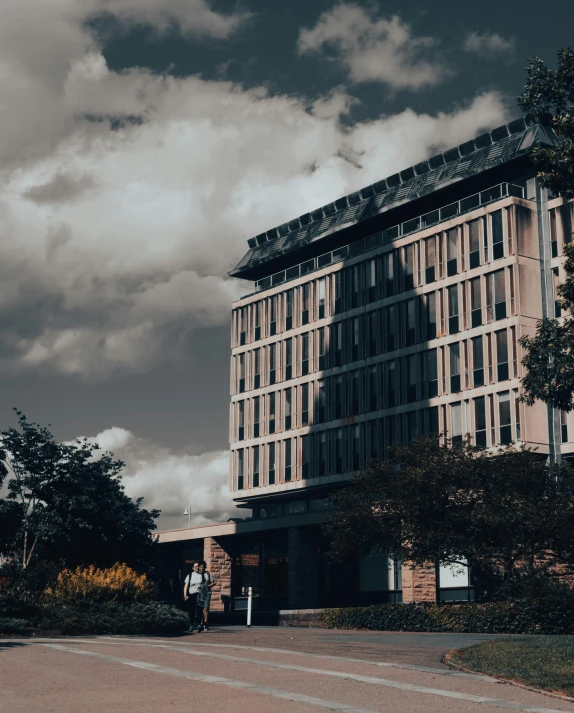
{"x":509,"y":516}
{"x":67,"y":504}
{"x":549,"y":97}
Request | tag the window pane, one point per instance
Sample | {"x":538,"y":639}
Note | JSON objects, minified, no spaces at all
{"x":451,"y":243}
{"x":453,"y":300}
{"x":477,"y":353}
{"x":454,"y":359}
{"x":475,"y":293}
{"x":474,"y":234}
{"x":456,"y":419}
{"x":479,"y":414}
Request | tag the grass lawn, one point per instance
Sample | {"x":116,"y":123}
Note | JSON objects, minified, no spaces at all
{"x":545,"y":662}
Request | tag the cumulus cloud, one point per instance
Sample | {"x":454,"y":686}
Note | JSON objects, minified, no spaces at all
{"x":127,"y":196}
{"x":375,"y":49}
{"x":490,"y":45}
{"x":191,"y":17}
{"x":172,"y":482}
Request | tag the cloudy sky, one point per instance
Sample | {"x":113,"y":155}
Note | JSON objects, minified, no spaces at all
{"x":143,"y":141}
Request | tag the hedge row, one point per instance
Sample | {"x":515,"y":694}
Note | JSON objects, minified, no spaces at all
{"x":114,"y":618}
{"x":525,"y":616}
{"x":102,"y":618}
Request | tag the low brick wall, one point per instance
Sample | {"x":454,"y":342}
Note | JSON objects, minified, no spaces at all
{"x":301,"y":617}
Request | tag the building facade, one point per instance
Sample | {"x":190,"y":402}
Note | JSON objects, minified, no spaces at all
{"x":393,"y":312}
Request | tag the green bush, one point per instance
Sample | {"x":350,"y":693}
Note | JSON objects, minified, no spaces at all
{"x":523,"y":616}
{"x":13,"y":626}
{"x":113,"y":618}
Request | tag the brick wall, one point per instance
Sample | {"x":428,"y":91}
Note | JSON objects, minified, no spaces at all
{"x":419,"y":583}
{"x":303,"y":568}
{"x":219,"y":564}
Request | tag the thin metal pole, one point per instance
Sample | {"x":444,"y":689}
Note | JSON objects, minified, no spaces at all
{"x":249,"y":600}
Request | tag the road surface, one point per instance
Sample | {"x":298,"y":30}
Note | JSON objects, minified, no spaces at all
{"x":239,"y":670}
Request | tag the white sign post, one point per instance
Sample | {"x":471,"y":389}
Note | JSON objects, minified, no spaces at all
{"x":249,"y":600}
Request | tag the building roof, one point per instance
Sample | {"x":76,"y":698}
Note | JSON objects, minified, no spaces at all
{"x":470,"y":158}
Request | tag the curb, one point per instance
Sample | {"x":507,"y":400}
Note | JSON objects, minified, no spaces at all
{"x":446,"y":660}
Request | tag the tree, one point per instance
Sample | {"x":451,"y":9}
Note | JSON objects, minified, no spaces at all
{"x":509,"y":516}
{"x":66,"y":504}
{"x":549,"y":354}
{"x":549,"y":98}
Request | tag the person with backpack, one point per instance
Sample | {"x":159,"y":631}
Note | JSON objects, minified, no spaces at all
{"x":191,"y":588}
{"x":204,"y":595}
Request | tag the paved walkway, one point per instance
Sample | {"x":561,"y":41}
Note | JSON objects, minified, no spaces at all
{"x":240,"y":670}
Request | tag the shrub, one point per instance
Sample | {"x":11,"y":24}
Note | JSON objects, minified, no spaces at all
{"x":554,"y":615}
{"x":113,"y":618}
{"x":13,"y":626}
{"x":119,"y":583}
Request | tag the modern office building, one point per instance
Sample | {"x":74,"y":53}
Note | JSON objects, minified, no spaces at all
{"x":392,"y":312}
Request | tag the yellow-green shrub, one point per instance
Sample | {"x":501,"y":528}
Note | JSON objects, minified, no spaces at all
{"x":119,"y":583}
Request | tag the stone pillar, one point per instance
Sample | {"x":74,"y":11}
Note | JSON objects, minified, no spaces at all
{"x":219,"y":564}
{"x":419,"y":583}
{"x":303,"y":564}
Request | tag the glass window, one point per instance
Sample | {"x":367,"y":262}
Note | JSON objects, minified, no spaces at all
{"x":475,"y":302}
{"x":287,"y":459}
{"x":271,"y":461}
{"x":288,"y":407}
{"x":356,"y":446}
{"x":412,"y":377}
{"x":321,"y":401}
{"x":391,"y":327}
{"x":409,"y":266}
{"x":497,"y":235}
{"x":306,"y":457}
{"x":289,"y":309}
{"x":410,"y":313}
{"x":305,"y":354}
{"x":495,"y":296}
{"x":256,"y":416}
{"x":256,"y":368}
{"x":338,"y":396}
{"x":451,"y":251}
{"x":240,"y":469}
{"x":241,"y":420}
{"x":430,"y":258}
{"x":255,"y":466}
{"x":355,"y":393}
{"x":304,"y":404}
{"x":242,"y":373}
{"x":431,"y":315}
{"x":322,"y":452}
{"x":271,"y":405}
{"x":272,"y":362}
{"x":392,"y":383}
{"x":288,"y":358}
{"x":504,"y":417}
{"x":321,"y":296}
{"x":338,"y":464}
{"x":454,"y":368}
{"x":456,"y":422}
{"x":502,"y":355}
{"x":479,"y":421}
{"x":305,"y":292}
{"x":430,"y":373}
{"x":477,"y":362}
{"x":453,"y":309}
{"x":371,"y":273}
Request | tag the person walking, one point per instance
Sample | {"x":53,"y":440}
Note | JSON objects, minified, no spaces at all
{"x":204,"y":595}
{"x":191,"y":588}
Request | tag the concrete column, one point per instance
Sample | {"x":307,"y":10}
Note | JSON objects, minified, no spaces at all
{"x":419,"y":583}
{"x":303,"y":558}
{"x":219,"y":564}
